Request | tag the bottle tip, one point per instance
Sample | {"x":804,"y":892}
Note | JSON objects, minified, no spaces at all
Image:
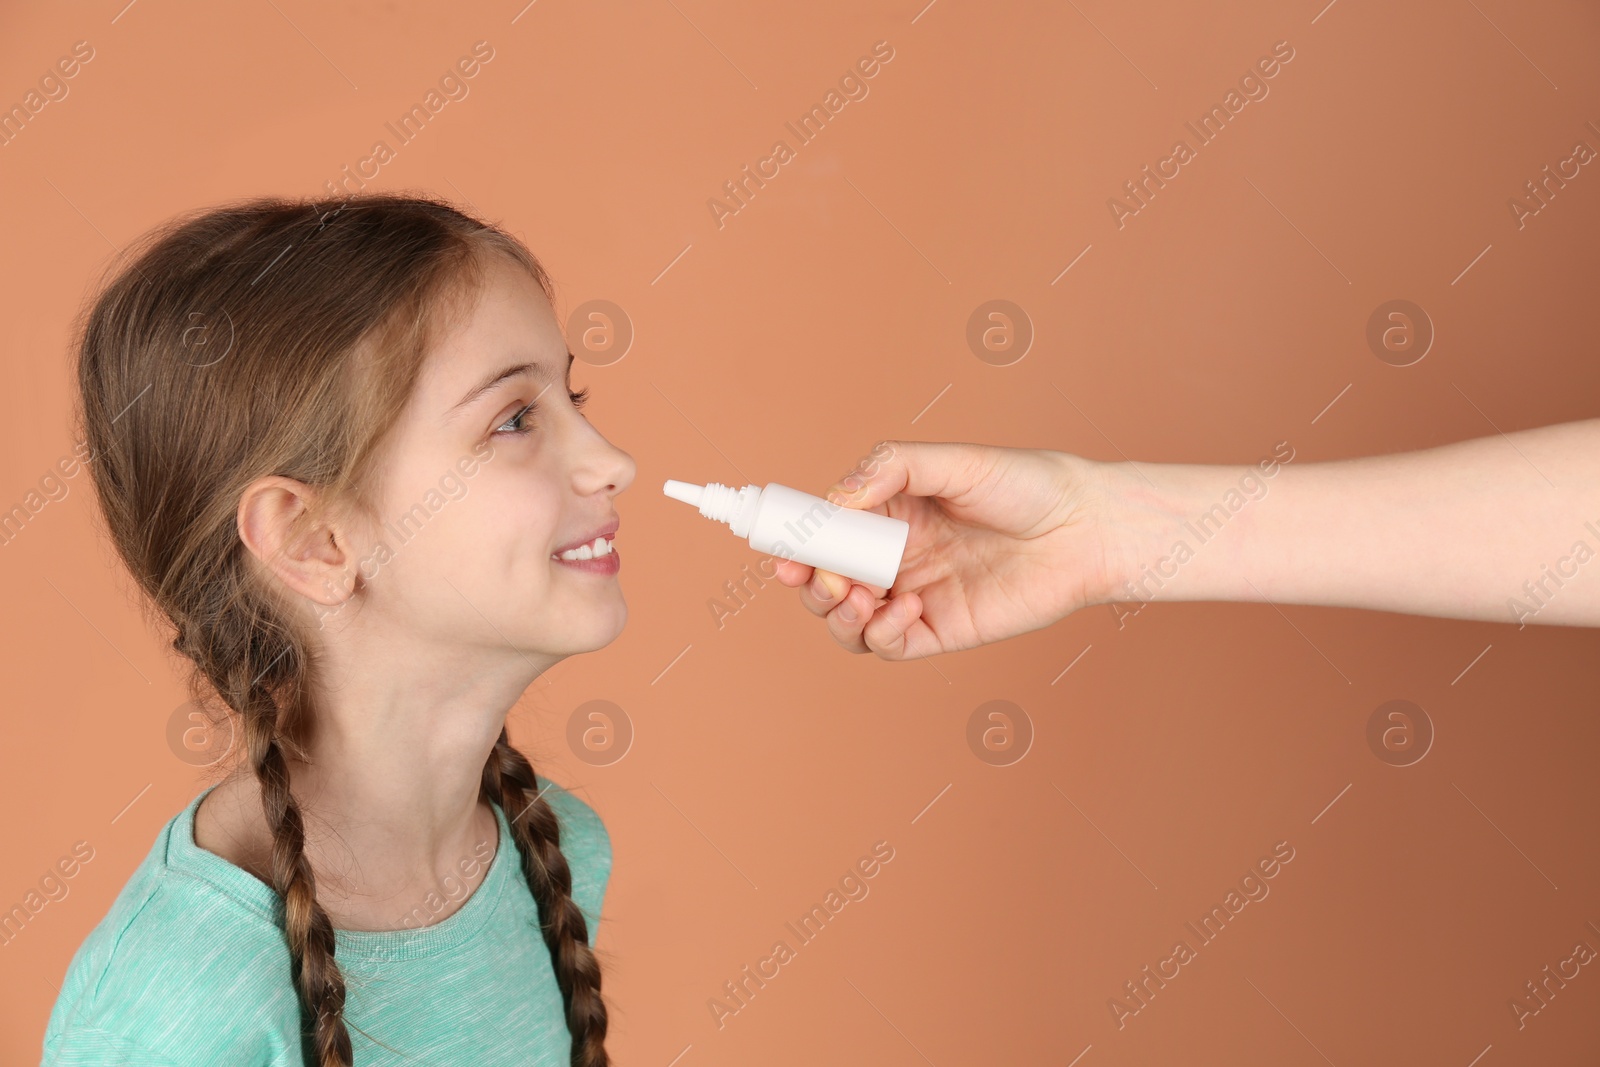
{"x":687,"y":492}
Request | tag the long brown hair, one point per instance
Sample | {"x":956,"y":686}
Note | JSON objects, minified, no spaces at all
{"x":276,"y":336}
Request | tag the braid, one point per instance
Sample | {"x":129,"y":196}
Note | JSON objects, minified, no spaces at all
{"x":508,"y":779}
{"x":317,"y":977}
{"x":235,"y":653}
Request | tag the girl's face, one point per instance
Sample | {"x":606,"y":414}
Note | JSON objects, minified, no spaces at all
{"x":492,"y":470}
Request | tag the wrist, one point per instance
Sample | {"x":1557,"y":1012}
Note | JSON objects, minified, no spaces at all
{"x":1146,"y":533}
{"x":1128,"y":508}
{"x":1180,"y":531}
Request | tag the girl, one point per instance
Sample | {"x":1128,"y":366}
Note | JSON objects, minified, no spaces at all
{"x":336,"y":445}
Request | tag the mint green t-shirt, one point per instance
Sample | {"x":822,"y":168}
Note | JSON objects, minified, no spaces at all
{"x":190,"y":967}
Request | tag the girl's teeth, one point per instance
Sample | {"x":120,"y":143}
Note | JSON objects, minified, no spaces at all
{"x":601,"y":547}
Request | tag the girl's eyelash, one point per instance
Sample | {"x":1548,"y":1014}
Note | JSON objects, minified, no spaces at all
{"x":578,"y":399}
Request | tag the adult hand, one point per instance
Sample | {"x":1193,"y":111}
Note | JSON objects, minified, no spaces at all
{"x":1003,"y":541}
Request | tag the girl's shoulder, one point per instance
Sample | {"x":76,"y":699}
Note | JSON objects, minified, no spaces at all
{"x":180,"y":970}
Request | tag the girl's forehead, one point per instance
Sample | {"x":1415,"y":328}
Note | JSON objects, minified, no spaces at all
{"x":511,"y":330}
{"x":508,"y":301}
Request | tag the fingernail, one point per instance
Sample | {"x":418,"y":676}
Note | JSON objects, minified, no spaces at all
{"x":844,"y":490}
{"x":819,"y":589}
{"x":847,"y":612}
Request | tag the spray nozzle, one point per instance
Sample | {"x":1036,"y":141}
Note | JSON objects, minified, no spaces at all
{"x":687,"y":492}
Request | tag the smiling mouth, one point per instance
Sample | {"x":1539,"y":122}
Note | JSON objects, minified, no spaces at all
{"x":595,"y":549}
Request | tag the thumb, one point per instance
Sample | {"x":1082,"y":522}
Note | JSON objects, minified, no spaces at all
{"x":918,"y":468}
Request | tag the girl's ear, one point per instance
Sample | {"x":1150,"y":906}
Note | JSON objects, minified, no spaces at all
{"x":277,"y":524}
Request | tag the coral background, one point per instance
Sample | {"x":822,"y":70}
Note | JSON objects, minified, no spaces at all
{"x":830,"y":311}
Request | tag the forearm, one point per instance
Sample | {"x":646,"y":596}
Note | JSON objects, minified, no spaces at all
{"x":1502,"y":528}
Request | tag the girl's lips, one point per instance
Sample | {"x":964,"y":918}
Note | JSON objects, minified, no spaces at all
{"x":609,"y":563}
{"x":608,"y":531}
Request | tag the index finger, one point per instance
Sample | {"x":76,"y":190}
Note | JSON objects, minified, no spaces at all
{"x":945,"y":469}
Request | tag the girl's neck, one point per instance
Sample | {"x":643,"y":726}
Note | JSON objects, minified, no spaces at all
{"x":231,"y":823}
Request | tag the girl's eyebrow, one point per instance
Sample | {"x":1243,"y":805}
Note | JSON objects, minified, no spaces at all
{"x":538,"y":370}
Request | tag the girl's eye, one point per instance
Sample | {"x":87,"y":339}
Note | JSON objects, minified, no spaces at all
{"x":578,"y":399}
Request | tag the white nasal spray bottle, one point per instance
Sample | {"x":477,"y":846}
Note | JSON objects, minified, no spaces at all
{"x":787,"y":523}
